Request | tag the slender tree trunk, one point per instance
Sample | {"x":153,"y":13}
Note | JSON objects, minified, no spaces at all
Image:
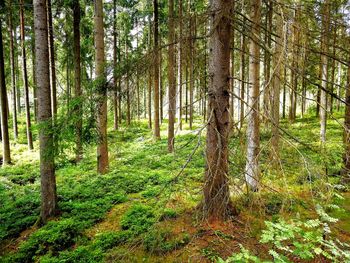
{"x":115,"y":81}
{"x":216,"y":190}
{"x":275,"y":92}
{"x":13,"y":76}
{"x":161,"y":91}
{"x":171,"y":78}
{"x":6,"y":158}
{"x":242,"y":76}
{"x":191,"y":69}
{"x":324,"y":77}
{"x":330,"y":104}
{"x":346,"y":162}
{"x":119,"y":85}
{"x":180,"y":55}
{"x":252,"y":166}
{"x":338,"y":85}
{"x":267,"y":63}
{"x":156,"y":73}
{"x":77,"y":80}
{"x":102,"y":148}
{"x":150,"y":80}
{"x":47,"y":165}
{"x":128,"y":107}
{"x":25,"y":79}
{"x":52,"y":61}
{"x":34,"y":83}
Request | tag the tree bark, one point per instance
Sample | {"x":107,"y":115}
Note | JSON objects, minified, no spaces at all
{"x":52,"y":61}
{"x":115,"y":81}
{"x":102,"y":148}
{"x":77,"y":81}
{"x":242,"y":76}
{"x":13,"y":75}
{"x":25,"y":79}
{"x":6,"y":158}
{"x":180,"y":55}
{"x":156,"y":73}
{"x":346,"y":159}
{"x":47,"y":166}
{"x":171,"y":78}
{"x":324,"y":75}
{"x":276,"y":88}
{"x":216,"y":190}
{"x":252,"y":173}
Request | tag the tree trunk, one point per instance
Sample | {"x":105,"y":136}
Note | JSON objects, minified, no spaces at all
{"x":171,"y":78}
{"x":6,"y":158}
{"x":267,"y":64}
{"x":338,"y":85}
{"x":25,"y":79}
{"x":52,"y":61}
{"x":275,"y":92}
{"x":324,"y":67}
{"x":216,"y":190}
{"x":77,"y":81}
{"x":47,"y":166}
{"x":18,"y":89}
{"x":252,"y":166}
{"x":13,"y":76}
{"x":180,"y":55}
{"x":191,"y":69}
{"x":346,"y":162}
{"x":35,"y":95}
{"x":128,"y":107}
{"x":242,"y":76}
{"x":102,"y":148}
{"x":150,"y":79}
{"x":156,"y":73}
{"x":115,"y":53}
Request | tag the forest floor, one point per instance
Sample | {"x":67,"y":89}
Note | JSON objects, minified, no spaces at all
{"x":145,"y":208}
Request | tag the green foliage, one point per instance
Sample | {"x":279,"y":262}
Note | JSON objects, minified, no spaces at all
{"x":138,"y":219}
{"x":52,"y":238}
{"x":163,"y":241}
{"x":296,"y":239}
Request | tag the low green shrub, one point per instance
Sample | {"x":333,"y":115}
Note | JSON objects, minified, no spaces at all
{"x":138,"y":219}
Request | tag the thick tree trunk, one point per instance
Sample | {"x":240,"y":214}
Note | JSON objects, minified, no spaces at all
{"x":102,"y":148}
{"x":216,"y":189}
{"x":25,"y":79}
{"x":6,"y":158}
{"x":13,"y":76}
{"x":171,"y":78}
{"x":47,"y":166}
{"x":77,"y":81}
{"x":156,"y":73}
{"x":52,"y":61}
{"x":252,"y":173}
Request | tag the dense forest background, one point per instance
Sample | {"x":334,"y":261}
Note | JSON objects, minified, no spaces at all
{"x":175,"y":131}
